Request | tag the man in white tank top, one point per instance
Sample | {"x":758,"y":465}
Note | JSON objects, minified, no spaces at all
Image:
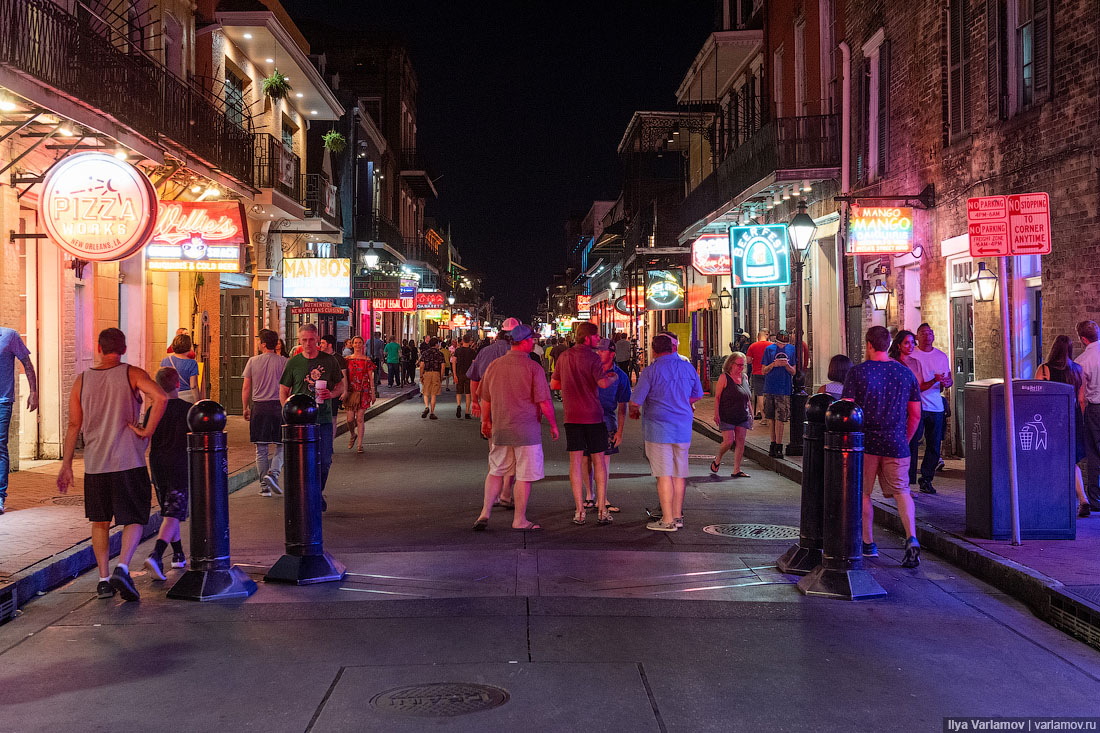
{"x":116,"y":481}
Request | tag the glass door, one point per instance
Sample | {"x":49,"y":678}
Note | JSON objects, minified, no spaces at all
{"x":237,"y":340}
{"x":962,"y":349}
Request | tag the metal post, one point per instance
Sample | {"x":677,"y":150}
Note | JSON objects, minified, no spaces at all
{"x":1010,"y":415}
{"x":806,"y":555}
{"x":798,"y":384}
{"x":211,"y":575}
{"x":841,"y":573}
{"x":305,"y":561}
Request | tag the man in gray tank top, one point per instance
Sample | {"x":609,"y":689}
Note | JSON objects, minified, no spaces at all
{"x":116,"y":481}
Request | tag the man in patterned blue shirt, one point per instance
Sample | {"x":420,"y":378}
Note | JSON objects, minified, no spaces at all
{"x":889,"y":395}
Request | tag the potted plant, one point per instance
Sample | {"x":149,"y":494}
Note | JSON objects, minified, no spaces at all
{"x":276,"y":86}
{"x":334,"y":141}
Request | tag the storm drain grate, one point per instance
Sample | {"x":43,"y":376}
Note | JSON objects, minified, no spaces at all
{"x":440,"y":699}
{"x":1076,"y":619}
{"x":66,"y":501}
{"x":9,"y":604}
{"x":753,"y":531}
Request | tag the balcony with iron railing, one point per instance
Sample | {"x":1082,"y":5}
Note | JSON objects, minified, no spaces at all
{"x":414,"y":171}
{"x":278,"y":168}
{"x":370,"y":228}
{"x":321,"y":199}
{"x":42,"y":40}
{"x":800,"y":145}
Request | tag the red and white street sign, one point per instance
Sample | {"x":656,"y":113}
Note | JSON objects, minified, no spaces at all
{"x":1000,"y":226}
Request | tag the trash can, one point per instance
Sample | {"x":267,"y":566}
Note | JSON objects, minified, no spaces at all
{"x":1044,"y":459}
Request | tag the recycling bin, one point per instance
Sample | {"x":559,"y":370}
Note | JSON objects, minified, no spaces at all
{"x":1044,"y":460}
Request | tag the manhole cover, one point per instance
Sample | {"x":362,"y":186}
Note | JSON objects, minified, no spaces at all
{"x":440,"y":699}
{"x":753,"y":531}
{"x":67,"y":501}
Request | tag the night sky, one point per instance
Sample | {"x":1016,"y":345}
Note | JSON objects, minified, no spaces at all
{"x":521,"y":108}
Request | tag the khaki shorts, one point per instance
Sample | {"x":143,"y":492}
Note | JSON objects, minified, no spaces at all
{"x":892,"y":475}
{"x":777,"y":407}
{"x":430,"y":384}
{"x":525,"y":461}
{"x":668,"y":459}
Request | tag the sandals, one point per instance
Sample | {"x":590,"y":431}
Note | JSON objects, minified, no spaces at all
{"x":739,"y":474}
{"x":578,"y":517}
{"x":359,"y":449}
{"x":714,"y":466}
{"x":613,"y":509}
{"x":351,"y":441}
{"x":481,"y":525}
{"x":604,"y":518}
{"x":589,"y":504}
{"x":530,"y":526}
{"x":505,"y":504}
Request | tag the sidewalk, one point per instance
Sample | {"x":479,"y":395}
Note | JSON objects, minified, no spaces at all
{"x":44,"y":536}
{"x":1057,"y":579}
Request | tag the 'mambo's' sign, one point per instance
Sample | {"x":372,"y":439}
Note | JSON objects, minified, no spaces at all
{"x":316,"y":277}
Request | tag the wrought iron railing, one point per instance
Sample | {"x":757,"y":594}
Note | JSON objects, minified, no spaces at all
{"x":44,"y":41}
{"x":278,"y":168}
{"x":378,"y":229}
{"x":321,"y":199}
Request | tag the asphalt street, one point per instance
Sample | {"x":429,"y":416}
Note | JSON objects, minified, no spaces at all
{"x":570,"y":628}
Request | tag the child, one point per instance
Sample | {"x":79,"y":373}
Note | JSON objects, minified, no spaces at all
{"x":168,"y":466}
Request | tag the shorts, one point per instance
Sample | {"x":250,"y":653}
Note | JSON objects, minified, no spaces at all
{"x":588,"y":437}
{"x":757,"y":384}
{"x":668,"y":459}
{"x":525,"y":461}
{"x":430,"y":383}
{"x":462,"y":384}
{"x":777,"y":407}
{"x":124,"y":496}
{"x":892,"y":474}
{"x":170,"y":481}
{"x":612,"y":449}
{"x":747,"y":425}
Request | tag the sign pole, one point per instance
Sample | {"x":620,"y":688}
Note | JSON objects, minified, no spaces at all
{"x":1010,"y":415}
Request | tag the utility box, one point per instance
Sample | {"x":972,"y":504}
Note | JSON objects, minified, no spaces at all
{"x":1045,"y":452}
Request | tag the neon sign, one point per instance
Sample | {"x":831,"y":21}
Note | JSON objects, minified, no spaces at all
{"x":710,"y":254}
{"x":761,"y":256}
{"x":97,"y":207}
{"x":880,"y":230}
{"x":664,"y":289}
{"x":198,"y":236}
{"x":316,"y":277}
{"x":584,"y":305}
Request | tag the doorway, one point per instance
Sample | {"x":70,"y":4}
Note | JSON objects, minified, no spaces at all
{"x":237,"y":339}
{"x":962,"y":351}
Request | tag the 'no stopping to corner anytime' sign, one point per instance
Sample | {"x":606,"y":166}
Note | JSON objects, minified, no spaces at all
{"x":1000,"y":226}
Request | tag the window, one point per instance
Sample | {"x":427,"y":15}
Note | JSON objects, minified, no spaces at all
{"x":958,"y":80}
{"x":1025,"y":52}
{"x":1018,"y":55}
{"x":234,"y":97}
{"x":288,"y":130}
{"x":876,"y":54}
{"x":827,"y":20}
{"x":777,"y":83}
{"x":173,"y":44}
{"x":800,"y":69}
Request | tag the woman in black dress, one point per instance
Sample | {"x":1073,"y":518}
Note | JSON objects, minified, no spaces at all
{"x":1059,"y":367}
{"x":732,"y":412}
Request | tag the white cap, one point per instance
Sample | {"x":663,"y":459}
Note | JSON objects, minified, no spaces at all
{"x":509,"y":324}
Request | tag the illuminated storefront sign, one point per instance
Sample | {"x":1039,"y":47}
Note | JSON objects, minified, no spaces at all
{"x":316,"y":277}
{"x":429,"y":300}
{"x":432,"y":314}
{"x":409,"y":288}
{"x":623,"y":306}
{"x":584,"y":305}
{"x":394,"y":305}
{"x":664,"y":289}
{"x":319,"y":307}
{"x":97,"y":207}
{"x":710,"y":254}
{"x":459,"y":320}
{"x":761,"y":256}
{"x":198,"y":236}
{"x":880,"y":230}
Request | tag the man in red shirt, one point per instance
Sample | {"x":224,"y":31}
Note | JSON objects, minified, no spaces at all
{"x":756,"y":355}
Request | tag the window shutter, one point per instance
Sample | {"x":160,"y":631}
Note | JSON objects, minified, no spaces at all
{"x":861,"y":117}
{"x":1043,"y":47}
{"x":883,"y":103}
{"x":955,"y":75}
{"x":993,"y":61}
{"x":965,"y":64}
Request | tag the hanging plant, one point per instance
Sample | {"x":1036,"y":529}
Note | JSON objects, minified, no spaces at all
{"x":334,"y":141}
{"x":276,"y":86}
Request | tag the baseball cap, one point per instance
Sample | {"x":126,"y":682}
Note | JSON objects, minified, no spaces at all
{"x":604,"y":345}
{"x":520,"y":331}
{"x":509,"y":324}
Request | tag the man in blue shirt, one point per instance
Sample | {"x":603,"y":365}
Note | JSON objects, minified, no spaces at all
{"x":667,"y":390}
{"x":777,"y":366}
{"x":12,"y":348}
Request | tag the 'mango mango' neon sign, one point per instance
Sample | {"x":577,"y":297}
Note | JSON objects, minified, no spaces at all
{"x":874,"y":230}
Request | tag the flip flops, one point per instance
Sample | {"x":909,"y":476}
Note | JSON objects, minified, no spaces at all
{"x":481,"y":525}
{"x":714,"y":466}
{"x":530,"y":526}
{"x":739,"y":474}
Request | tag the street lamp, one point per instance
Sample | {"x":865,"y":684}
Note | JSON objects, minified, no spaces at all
{"x":451,"y":299}
{"x":983,"y":284}
{"x":371,"y":257}
{"x":725,"y":298}
{"x":801,"y":231}
{"x":614,"y":285}
{"x":879,"y":296}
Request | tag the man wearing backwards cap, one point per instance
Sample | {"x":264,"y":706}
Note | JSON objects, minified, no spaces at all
{"x":481,"y":362}
{"x":515,"y":394}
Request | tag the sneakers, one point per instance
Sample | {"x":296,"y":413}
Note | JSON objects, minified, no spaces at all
{"x":179,"y":560}
{"x":124,"y":584}
{"x":870,"y":549}
{"x":1,"y":506}
{"x":264,"y":491}
{"x":469,"y":416}
{"x":940,"y":466}
{"x":433,"y":417}
{"x":912,"y":553}
{"x":926,"y":486}
{"x":155,"y":563}
{"x":776,"y":450}
{"x":104,"y":590}
{"x":458,"y":411}
{"x":272,"y":484}
{"x":679,"y":522}
{"x":659,"y":526}
{"x":1083,"y":510}
{"x":425,"y":413}
{"x":759,"y":416}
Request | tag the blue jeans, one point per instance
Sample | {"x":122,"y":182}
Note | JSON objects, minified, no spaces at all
{"x":5,"y":422}
{"x":325,"y":447}
{"x":392,"y":369}
{"x":930,"y":428}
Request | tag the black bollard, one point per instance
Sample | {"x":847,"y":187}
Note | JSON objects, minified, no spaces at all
{"x":211,"y":577}
{"x":305,"y":561}
{"x":806,"y":555}
{"x":841,"y":573}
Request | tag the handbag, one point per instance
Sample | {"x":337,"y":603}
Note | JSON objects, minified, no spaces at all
{"x":352,"y":400}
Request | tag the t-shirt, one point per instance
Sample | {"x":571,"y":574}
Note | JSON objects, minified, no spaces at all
{"x":613,"y":396}
{"x":665,"y":391}
{"x":486,"y":355}
{"x":778,"y":381}
{"x":432,"y":358}
{"x":168,"y":443}
{"x":393,"y":352}
{"x":514,"y":386}
{"x":557,"y":351}
{"x":623,"y":348}
{"x":883,"y":389}
{"x":927,"y":364}
{"x":11,"y":348}
{"x":579,"y":369}
{"x":301,"y":374}
{"x":464,"y":357}
{"x":756,"y":353}
{"x":265,"y":371}
{"x":187,"y":368}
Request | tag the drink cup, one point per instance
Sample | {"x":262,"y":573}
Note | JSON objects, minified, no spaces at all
{"x":320,"y":385}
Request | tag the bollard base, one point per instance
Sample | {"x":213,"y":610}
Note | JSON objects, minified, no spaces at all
{"x":322,"y":568}
{"x":799,"y":560}
{"x":213,"y":585}
{"x":849,"y":585}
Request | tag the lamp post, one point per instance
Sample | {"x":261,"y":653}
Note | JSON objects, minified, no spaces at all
{"x":370,"y":259}
{"x":983,"y":285}
{"x":801,"y":230}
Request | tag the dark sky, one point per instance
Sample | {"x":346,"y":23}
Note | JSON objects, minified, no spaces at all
{"x":521,"y":108}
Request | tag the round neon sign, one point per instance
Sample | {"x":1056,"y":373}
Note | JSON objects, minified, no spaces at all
{"x":97,"y":207}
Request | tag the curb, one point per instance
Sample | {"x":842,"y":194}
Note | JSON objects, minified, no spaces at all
{"x":1048,"y":598}
{"x":58,"y":569}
